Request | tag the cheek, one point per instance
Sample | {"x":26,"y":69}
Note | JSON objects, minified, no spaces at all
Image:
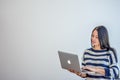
{"x":97,"y":41}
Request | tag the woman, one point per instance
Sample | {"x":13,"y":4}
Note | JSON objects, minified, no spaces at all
{"x":100,"y":59}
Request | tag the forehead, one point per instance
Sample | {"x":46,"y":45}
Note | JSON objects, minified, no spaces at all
{"x":95,"y":32}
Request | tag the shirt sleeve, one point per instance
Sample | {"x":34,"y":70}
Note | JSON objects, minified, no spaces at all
{"x":113,"y":70}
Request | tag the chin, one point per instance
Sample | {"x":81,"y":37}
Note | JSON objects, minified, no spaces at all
{"x":93,"y":44}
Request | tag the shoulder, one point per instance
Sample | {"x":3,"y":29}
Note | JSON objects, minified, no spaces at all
{"x":113,"y":54}
{"x":112,"y":51}
{"x":89,"y":49}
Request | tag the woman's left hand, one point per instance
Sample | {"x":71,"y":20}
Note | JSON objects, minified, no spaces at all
{"x":83,"y":75}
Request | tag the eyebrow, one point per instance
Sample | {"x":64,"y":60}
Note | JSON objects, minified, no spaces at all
{"x":95,"y":35}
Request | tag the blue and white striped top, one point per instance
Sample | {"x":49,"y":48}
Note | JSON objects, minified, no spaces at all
{"x":103,"y":59}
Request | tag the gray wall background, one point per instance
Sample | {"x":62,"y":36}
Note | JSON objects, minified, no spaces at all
{"x":32,"y":31}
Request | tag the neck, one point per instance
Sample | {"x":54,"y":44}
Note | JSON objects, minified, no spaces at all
{"x":97,"y":48}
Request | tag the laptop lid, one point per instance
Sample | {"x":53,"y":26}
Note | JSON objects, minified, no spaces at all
{"x":69,"y":61}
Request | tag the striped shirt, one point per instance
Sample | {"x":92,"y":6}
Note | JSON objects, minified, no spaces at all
{"x":103,"y":59}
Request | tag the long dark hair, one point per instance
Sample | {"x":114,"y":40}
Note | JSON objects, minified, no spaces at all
{"x":104,"y":39}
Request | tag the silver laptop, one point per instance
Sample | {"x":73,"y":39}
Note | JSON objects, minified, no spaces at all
{"x":70,"y":61}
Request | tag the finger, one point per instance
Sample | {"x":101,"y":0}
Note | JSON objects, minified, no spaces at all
{"x":84,"y":67}
{"x":78,"y":73}
{"x":71,"y":70}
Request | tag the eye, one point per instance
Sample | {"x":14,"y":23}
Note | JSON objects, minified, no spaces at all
{"x":97,"y":37}
{"x":92,"y":35}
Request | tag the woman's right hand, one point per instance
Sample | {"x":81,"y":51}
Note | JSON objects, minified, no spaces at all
{"x":83,"y":75}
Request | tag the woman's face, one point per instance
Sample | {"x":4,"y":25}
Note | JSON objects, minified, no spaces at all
{"x":94,"y":39}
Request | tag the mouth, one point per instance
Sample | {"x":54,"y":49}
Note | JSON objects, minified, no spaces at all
{"x":93,"y":42}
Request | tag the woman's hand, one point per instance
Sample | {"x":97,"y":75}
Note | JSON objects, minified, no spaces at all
{"x":95,"y":69}
{"x":83,"y":75}
{"x":92,"y":69}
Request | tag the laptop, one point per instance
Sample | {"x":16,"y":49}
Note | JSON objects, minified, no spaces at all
{"x":70,"y":61}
